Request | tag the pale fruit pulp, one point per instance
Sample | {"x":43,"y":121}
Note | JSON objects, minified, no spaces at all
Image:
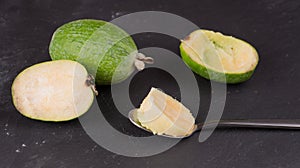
{"x":162,"y":114}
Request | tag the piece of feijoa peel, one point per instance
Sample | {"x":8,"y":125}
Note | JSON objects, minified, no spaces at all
{"x":106,"y":50}
{"x":53,"y":91}
{"x":228,"y":60}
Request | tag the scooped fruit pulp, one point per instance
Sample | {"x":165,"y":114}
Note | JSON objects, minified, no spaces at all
{"x":162,"y":114}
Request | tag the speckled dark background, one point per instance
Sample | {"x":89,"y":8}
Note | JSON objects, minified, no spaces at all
{"x":272,"y":26}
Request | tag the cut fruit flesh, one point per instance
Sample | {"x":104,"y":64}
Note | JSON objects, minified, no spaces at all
{"x":53,"y":91}
{"x":218,"y":53}
{"x":162,"y":114}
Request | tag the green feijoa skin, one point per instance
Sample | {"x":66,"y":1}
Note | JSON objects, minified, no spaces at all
{"x":107,"y":51}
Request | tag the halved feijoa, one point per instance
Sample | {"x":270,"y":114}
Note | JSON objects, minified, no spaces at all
{"x":53,"y":91}
{"x":219,"y":57}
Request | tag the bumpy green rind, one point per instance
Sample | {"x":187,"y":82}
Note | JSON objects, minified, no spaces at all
{"x":104,"y":49}
{"x":210,"y":74}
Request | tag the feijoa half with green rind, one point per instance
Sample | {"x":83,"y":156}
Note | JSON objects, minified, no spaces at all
{"x":53,"y":91}
{"x":219,"y":57}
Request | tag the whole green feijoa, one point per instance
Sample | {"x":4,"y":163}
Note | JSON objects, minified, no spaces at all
{"x":106,"y":50}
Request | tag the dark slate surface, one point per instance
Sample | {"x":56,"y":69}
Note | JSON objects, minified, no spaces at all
{"x":271,"y":25}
